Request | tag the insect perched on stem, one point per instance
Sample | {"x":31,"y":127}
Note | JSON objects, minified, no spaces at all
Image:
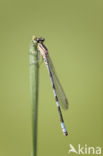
{"x":59,"y":94}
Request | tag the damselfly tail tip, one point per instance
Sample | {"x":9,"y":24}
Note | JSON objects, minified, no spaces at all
{"x":64,"y":129}
{"x":66,"y":133}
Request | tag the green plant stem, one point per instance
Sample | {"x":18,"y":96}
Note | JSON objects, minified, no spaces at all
{"x":34,"y":76}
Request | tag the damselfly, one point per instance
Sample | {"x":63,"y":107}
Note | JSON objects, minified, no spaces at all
{"x":57,"y":88}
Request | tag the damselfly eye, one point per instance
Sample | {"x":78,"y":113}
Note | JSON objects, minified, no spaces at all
{"x":34,"y":39}
{"x":40,"y":39}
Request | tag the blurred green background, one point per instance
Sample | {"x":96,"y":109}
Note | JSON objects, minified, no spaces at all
{"x":74,"y":33}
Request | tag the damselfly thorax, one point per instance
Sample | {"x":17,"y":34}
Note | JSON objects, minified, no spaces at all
{"x":43,"y":50}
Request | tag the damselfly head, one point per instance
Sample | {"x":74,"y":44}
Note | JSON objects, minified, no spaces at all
{"x":37,"y":40}
{"x":41,"y":39}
